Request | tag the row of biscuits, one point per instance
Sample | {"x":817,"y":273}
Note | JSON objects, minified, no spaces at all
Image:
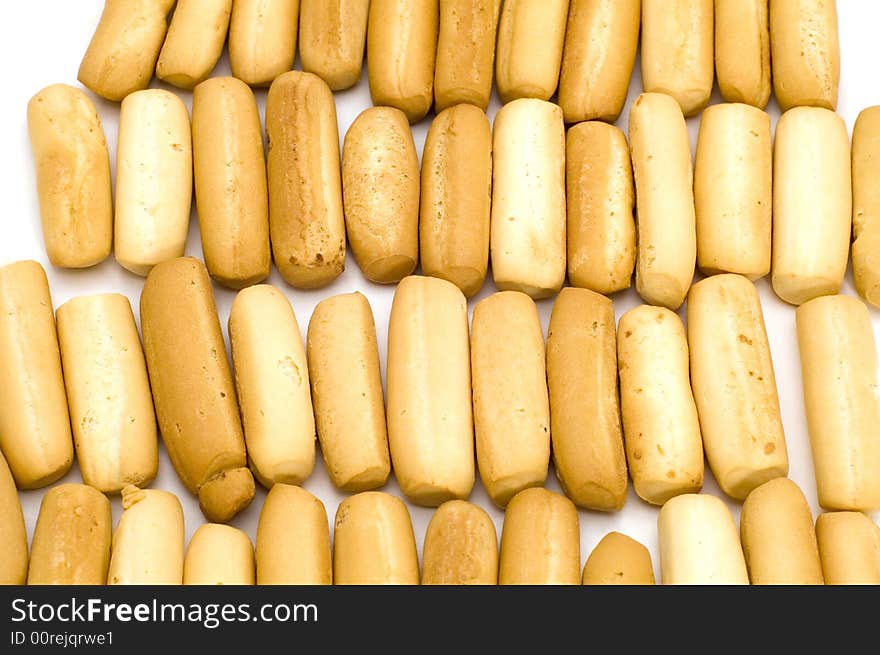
{"x":543,"y":203}
{"x":373,"y":542}
{"x":641,"y":399}
{"x":431,"y":52}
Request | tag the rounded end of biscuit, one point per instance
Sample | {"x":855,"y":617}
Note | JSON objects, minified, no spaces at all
{"x":389,"y":270}
{"x":225,"y":495}
{"x":798,"y":289}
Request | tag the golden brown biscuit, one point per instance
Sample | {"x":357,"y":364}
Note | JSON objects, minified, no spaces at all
{"x":13,"y":533}
{"x":73,"y":176}
{"x":232,"y":200}
{"x":456,"y":198}
{"x":600,"y":228}
{"x":380,"y":192}
{"x":678,"y":51}
{"x":347,"y":392}
{"x":540,"y":541}
{"x":373,"y":542}
{"x":293,"y":539}
{"x":219,"y":555}
{"x":778,"y":539}
{"x":401,"y":51}
{"x":306,"y":224}
{"x":511,"y":406}
{"x":332,"y":35}
{"x":192,"y":387}
{"x":742,"y":51}
{"x":733,"y":191}
{"x":849,"y":544}
{"x":465,"y":52}
{"x":619,"y":560}
{"x":601,"y":39}
{"x":34,"y":421}
{"x":194,"y":41}
{"x":805,"y":52}
{"x":529,"y":50}
{"x":866,"y":204}
{"x":584,"y":409}
{"x":122,"y":54}
{"x":71,"y":544}
{"x":262,"y":39}
{"x":461,"y":547}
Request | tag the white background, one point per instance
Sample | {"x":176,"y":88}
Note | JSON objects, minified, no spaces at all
{"x":42,"y":42}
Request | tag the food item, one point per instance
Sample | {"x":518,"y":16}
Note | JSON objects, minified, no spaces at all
{"x":601,"y":39}
{"x":219,"y":555}
{"x":293,"y":539}
{"x":343,"y":359}
{"x":461,"y":547}
{"x":194,"y":41}
{"x":849,"y":544}
{"x":192,"y":387}
{"x":262,"y":39}
{"x":401,"y":50}
{"x":734,"y":384}
{"x":332,"y":34}
{"x":122,"y":54}
{"x":812,"y":204}
{"x":306,"y":224}
{"x":73,"y":176}
{"x":733,"y":191}
{"x":230,"y":182}
{"x":34,"y":422}
{"x":664,"y":448}
{"x":511,"y":407}
{"x":540,"y":541}
{"x":153,"y":180}
{"x":778,"y":538}
{"x":272,"y":381}
{"x":584,"y":410}
{"x":600,"y":230}
{"x":528,"y":198}
{"x":619,"y":560}
{"x":465,"y":52}
{"x":529,"y":51}
{"x":148,"y":540}
{"x":866,"y":204}
{"x":430,"y":425}
{"x":678,"y":51}
{"x":699,"y":544}
{"x":71,"y":543}
{"x":667,"y":241}
{"x":13,"y":533}
{"x":380,"y":192}
{"x":742,"y":51}
{"x":839,"y":369}
{"x":373,"y":542}
{"x":805,"y":52}
{"x":456,"y":198}
{"x":108,"y":392}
